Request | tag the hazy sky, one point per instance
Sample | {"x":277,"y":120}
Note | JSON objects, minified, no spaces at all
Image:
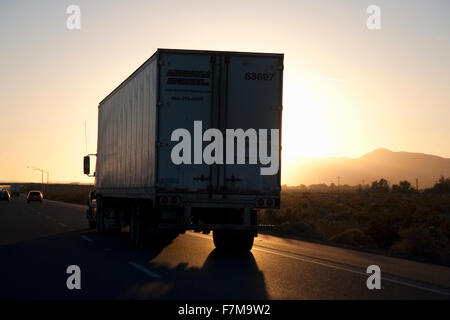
{"x":348,"y":89}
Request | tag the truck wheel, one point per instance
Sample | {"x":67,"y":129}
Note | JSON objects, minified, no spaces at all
{"x":233,"y":240}
{"x":132,"y":225}
{"x":220,"y":240}
{"x":92,"y":224}
{"x":99,"y":222}
{"x":91,"y":221}
{"x":247,"y":241}
{"x":137,"y":227}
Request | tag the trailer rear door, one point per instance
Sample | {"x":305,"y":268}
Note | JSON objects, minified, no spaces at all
{"x":254,"y":101}
{"x":185,"y":92}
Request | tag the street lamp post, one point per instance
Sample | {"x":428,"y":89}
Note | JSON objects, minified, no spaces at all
{"x":42,"y":176}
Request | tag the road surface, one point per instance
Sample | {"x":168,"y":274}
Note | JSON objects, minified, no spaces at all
{"x":39,"y":241}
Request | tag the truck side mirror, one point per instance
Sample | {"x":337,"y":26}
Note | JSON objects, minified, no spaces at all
{"x":87,"y":165}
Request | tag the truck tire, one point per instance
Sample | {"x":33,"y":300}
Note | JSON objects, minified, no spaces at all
{"x":91,"y":221}
{"x":220,"y":240}
{"x":233,"y":240}
{"x":137,"y":227}
{"x":132,"y":224}
{"x":92,"y":224}
{"x":99,"y":220}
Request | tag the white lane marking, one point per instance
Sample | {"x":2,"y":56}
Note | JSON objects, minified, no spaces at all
{"x":144,"y":270}
{"x":445,"y":293}
{"x":337,"y":267}
{"x":61,"y":224}
{"x":68,"y":205}
{"x":356,"y":272}
{"x":86,"y":238}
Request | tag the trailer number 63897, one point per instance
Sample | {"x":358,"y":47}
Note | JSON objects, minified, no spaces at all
{"x":258,"y":76}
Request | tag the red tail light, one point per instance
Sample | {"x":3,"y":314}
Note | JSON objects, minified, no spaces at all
{"x":269,"y":202}
{"x":169,"y":200}
{"x":260,"y":202}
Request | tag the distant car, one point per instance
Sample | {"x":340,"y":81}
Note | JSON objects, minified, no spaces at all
{"x":4,"y":195}
{"x":34,"y":196}
{"x":15,"y":190}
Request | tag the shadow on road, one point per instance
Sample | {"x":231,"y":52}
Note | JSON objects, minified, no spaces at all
{"x":224,"y":275}
{"x":36,"y":269}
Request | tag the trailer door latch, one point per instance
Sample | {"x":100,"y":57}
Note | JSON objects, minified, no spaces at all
{"x":162,"y":144}
{"x":202,"y":178}
{"x":234,"y":179}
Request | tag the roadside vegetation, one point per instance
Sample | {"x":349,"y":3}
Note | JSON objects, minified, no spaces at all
{"x":395,"y":219}
{"x":78,"y":197}
{"x":66,"y":192}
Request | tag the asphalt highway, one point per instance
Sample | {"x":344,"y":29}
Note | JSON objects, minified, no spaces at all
{"x":39,"y":241}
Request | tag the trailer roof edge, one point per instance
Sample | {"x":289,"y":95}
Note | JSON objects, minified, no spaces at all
{"x":165,"y":50}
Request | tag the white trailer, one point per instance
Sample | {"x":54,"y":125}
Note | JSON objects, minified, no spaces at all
{"x":191,"y":140}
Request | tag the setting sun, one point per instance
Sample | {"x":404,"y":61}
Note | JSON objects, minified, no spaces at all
{"x":347,"y":90}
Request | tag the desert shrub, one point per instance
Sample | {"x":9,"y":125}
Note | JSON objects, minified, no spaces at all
{"x":396,"y":204}
{"x":441,"y":186}
{"x":380,"y":186}
{"x":72,"y":197}
{"x":445,"y":229}
{"x":415,"y":241}
{"x":403,"y":186}
{"x":306,"y":195}
{"x":384,"y":228}
{"x":270,"y":216}
{"x":427,"y":217}
{"x":328,"y":229}
{"x":354,"y":237}
{"x":377,"y":215}
{"x":361,"y":218}
{"x":341,"y":216}
{"x":299,"y":229}
{"x":374,"y":208}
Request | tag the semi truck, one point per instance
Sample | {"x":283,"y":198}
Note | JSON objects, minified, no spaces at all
{"x":191,"y":140}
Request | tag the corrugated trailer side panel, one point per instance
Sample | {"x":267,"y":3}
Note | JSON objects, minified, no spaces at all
{"x":126,"y":141}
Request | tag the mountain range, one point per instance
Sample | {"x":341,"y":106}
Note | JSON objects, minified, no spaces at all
{"x":380,"y":163}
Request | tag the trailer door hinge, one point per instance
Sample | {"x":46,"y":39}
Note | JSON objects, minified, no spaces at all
{"x":161,"y":144}
{"x":234,"y":179}
{"x":202,"y":178}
